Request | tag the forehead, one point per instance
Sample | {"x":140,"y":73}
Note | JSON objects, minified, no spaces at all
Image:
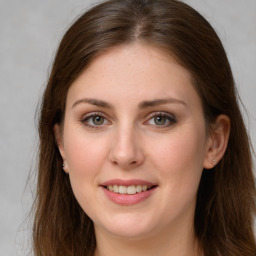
{"x":134,"y":71}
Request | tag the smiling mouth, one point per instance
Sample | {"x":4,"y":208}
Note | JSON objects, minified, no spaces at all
{"x":128,"y":190}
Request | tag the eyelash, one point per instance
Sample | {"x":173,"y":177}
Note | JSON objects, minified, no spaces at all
{"x":169,"y":118}
{"x":85,"y":120}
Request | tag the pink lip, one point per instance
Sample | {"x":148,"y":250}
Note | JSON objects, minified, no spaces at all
{"x":120,"y":182}
{"x":125,"y":199}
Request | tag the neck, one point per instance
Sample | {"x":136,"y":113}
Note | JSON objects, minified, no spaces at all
{"x":178,"y":243}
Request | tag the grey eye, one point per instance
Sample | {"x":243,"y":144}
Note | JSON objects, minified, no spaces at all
{"x":160,"y":120}
{"x":98,"y":120}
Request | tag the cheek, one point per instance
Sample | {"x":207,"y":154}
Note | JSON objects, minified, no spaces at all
{"x":179,"y":164}
{"x":85,"y":157}
{"x":179,"y":158}
{"x":84,"y":154}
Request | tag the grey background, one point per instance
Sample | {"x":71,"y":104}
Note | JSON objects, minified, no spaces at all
{"x":30,"y":32}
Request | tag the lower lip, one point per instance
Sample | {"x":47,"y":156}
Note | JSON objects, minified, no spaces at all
{"x":125,"y":199}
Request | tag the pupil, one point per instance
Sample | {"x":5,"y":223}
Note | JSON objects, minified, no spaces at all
{"x":98,"y":120}
{"x":160,"y":120}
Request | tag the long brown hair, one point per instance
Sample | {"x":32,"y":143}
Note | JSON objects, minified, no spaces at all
{"x":226,"y":196}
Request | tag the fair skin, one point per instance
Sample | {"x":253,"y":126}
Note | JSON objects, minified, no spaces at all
{"x":134,"y":118}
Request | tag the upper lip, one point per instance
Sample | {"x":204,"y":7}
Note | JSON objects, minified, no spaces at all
{"x":131,"y":182}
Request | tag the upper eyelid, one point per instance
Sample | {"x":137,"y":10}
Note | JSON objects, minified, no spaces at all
{"x":170,"y":117}
{"x":148,"y":116}
{"x":162,"y":113}
{"x":95,"y":113}
{"x":85,"y":120}
{"x":153,"y":113}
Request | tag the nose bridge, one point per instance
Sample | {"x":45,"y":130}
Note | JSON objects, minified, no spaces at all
{"x":126,"y":150}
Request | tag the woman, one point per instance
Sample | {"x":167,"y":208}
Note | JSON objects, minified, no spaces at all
{"x":143,"y":149}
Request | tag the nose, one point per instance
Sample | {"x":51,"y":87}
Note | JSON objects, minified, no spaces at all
{"x":126,"y":149}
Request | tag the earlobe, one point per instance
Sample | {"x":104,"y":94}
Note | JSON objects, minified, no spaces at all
{"x":59,"y":142}
{"x":65,"y":166}
{"x":218,"y":141}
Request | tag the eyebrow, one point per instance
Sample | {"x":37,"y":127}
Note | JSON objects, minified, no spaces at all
{"x":142,"y":105}
{"x":95,"y":102}
{"x":157,"y":102}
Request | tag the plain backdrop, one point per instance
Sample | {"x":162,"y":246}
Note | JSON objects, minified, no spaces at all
{"x":30,"y":32}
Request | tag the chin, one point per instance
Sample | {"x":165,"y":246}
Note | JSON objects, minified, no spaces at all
{"x":130,"y":227}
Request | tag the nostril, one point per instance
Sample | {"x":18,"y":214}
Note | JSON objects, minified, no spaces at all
{"x":115,"y":163}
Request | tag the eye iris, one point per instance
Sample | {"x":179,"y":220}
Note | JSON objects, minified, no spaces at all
{"x":98,"y":120}
{"x":160,"y":120}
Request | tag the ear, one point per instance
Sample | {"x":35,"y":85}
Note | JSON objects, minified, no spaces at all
{"x":59,"y":141}
{"x":217,"y":141}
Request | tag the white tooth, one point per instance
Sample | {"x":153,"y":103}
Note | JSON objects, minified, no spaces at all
{"x":122,"y":189}
{"x":131,"y":190}
{"x":110,"y":187}
{"x":144,"y":188}
{"x":138,"y":188}
{"x":115,"y":189}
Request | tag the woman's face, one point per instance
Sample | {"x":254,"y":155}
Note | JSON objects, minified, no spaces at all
{"x":134,"y":124}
